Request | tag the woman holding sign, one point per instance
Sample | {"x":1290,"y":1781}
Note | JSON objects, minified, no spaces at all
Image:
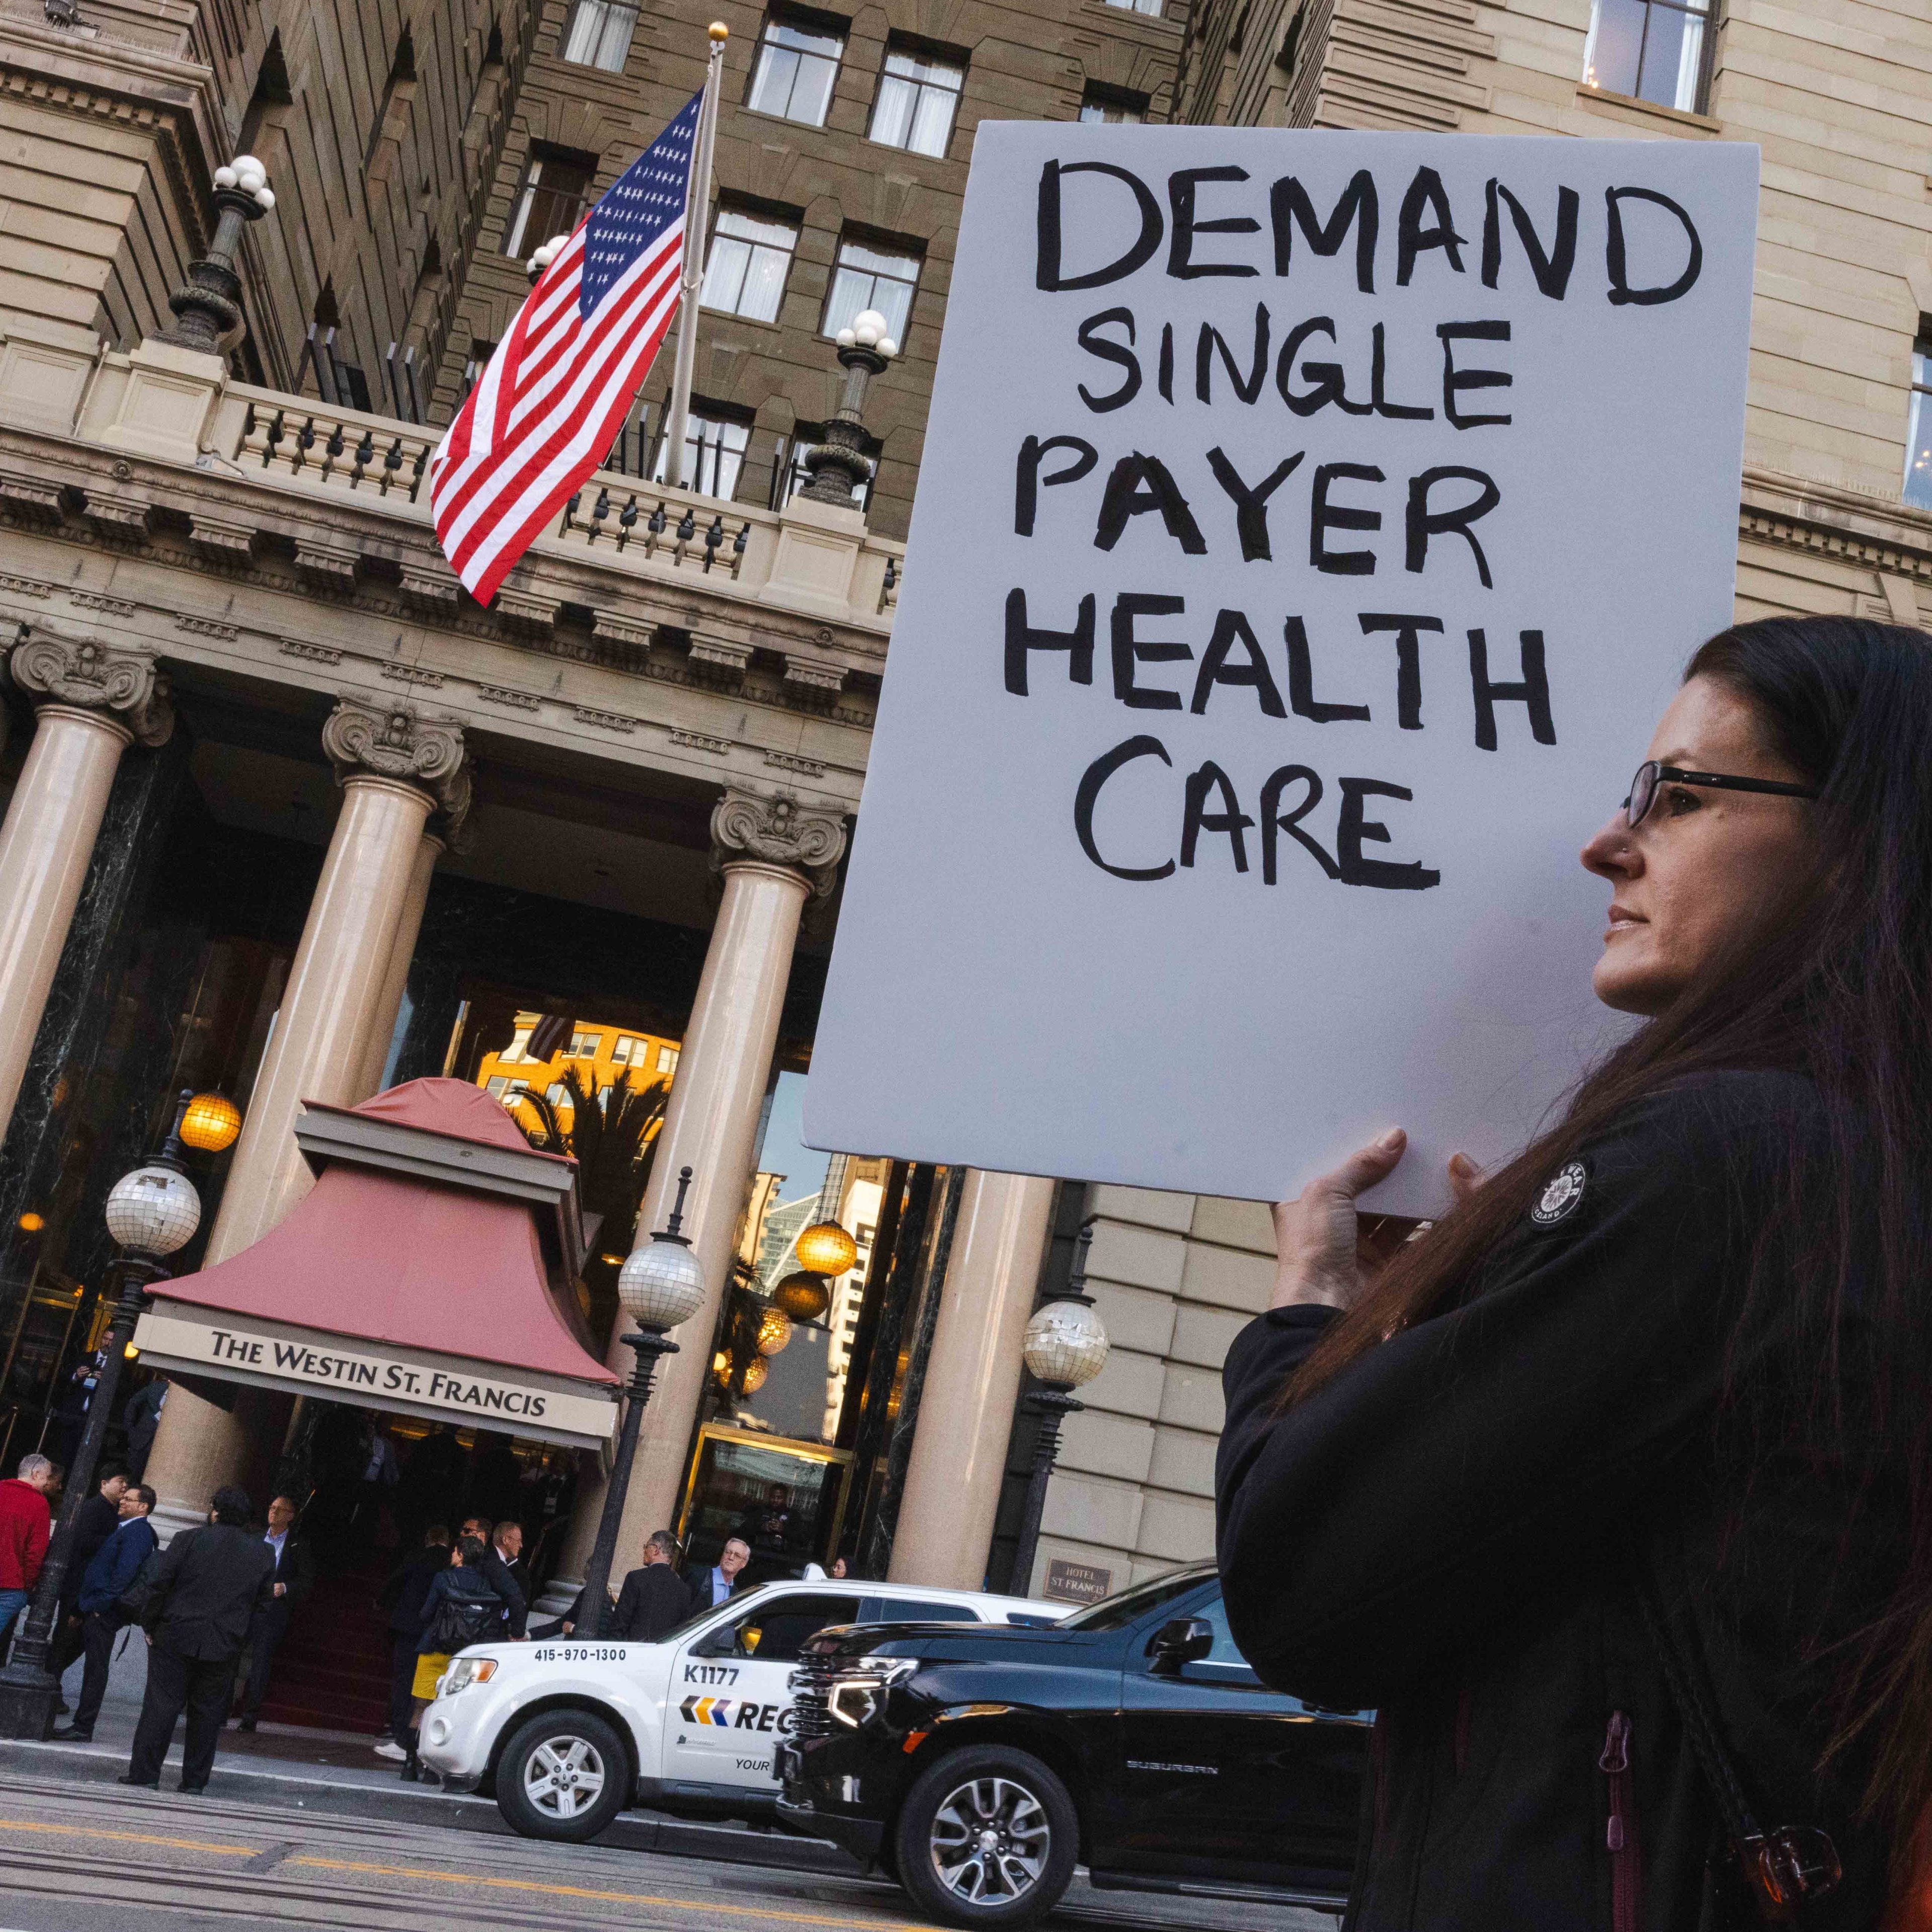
{"x":1613,"y":1493}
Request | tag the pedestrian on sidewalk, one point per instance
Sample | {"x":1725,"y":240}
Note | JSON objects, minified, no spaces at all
{"x":26,"y":1524}
{"x":209,"y":1582}
{"x":142,"y":1418}
{"x":402,"y":1595}
{"x":460,"y":1609}
{"x":1609,"y":1492}
{"x":109,"y":1572}
{"x":94,"y":1523}
{"x":294,"y":1579}
{"x":655,"y":1597}
{"x":504,"y":1570}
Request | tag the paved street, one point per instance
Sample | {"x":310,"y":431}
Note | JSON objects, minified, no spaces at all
{"x":78,"y":1854}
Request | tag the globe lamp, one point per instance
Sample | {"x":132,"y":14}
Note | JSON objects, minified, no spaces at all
{"x":154,"y":1210}
{"x":210,"y":1124}
{"x":804,"y":1296}
{"x":774,"y":1331}
{"x":826,"y":1248}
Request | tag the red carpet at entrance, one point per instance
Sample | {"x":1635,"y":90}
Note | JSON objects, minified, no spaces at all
{"x":332,"y":1671}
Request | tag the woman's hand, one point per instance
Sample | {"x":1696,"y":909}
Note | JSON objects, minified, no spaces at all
{"x":1315,"y":1234}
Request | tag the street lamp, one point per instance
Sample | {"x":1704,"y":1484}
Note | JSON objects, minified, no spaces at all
{"x":1065,"y":1347}
{"x":658,"y":1286}
{"x":207,"y":305}
{"x":838,"y":466}
{"x":151,"y":1213}
{"x":542,"y":257}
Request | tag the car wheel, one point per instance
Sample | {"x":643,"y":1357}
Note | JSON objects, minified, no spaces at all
{"x":563,"y":1775}
{"x":987,"y":1836}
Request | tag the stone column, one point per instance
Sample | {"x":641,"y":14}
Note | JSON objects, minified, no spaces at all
{"x":774,"y":853}
{"x":958,"y":1463}
{"x":395,"y":769}
{"x":93,"y":702}
{"x":409,"y":930}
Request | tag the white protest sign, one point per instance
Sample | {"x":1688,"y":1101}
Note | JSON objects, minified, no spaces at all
{"x":1310,"y":528}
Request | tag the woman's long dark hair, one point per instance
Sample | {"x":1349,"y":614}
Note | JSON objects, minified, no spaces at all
{"x":1839,"y":988}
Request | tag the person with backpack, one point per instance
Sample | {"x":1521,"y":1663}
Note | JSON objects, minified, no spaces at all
{"x":1609,"y":1492}
{"x":460,"y":1609}
{"x":102,"y":1600}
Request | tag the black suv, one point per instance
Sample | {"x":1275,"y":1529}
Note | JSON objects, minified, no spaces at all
{"x":978,"y":1763}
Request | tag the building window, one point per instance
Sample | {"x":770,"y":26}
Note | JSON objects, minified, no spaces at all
{"x":1918,"y":433}
{"x":795,"y":69}
{"x":714,"y":452}
{"x":870,"y":275}
{"x":1114,"y":110}
{"x":1149,"y":7}
{"x":666,"y":1060}
{"x":1650,"y":49}
{"x":750,"y":255}
{"x":495,"y":1084}
{"x":584,"y":1045}
{"x":599,"y":34}
{"x":555,"y":188}
{"x":918,"y":94}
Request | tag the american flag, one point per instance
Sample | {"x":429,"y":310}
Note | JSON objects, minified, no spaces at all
{"x":561,"y":383}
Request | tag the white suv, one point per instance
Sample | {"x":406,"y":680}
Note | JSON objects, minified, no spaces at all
{"x":569,"y":1733}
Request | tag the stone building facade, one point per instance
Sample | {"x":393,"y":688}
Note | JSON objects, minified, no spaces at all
{"x":288,"y":813}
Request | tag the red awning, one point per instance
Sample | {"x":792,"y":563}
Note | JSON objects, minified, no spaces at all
{"x":420,"y":1249}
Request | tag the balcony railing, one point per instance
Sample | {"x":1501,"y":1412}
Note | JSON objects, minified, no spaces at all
{"x":623,"y":520}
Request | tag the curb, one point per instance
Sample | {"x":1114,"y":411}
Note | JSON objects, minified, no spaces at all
{"x":635,"y":1830}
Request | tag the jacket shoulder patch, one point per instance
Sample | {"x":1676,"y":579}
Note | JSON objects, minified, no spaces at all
{"x":1562,"y":1195}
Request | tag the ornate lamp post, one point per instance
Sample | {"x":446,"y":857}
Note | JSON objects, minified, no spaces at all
{"x":839,"y":466}
{"x":1066,"y":1348}
{"x":208,"y":306}
{"x":151,"y":1213}
{"x":658,"y":1286}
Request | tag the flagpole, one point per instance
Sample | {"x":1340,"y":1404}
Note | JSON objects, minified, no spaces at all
{"x":696,"y":206}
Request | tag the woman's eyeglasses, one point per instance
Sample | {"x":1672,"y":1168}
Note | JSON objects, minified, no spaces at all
{"x":1650,"y":775}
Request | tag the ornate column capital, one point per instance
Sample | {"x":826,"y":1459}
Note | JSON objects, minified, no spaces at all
{"x":779,"y":829}
{"x":365,"y":737}
{"x":129,"y":687}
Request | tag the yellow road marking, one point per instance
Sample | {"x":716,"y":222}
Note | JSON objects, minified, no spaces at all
{"x":128,"y":1837}
{"x":461,"y":1877}
{"x":582,"y":1891}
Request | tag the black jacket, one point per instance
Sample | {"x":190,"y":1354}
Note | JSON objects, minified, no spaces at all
{"x":1452,"y":1530}
{"x":295,"y":1569}
{"x":208,"y":1583}
{"x":503,"y":1578}
{"x":94,"y":1523}
{"x":653,"y":1600}
{"x":697,"y":1581}
{"x":405,"y":1586}
{"x":470,"y":1587}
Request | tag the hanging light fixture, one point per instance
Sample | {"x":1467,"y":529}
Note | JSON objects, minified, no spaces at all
{"x":826,"y":1248}
{"x":210,"y":1124}
{"x":756,"y":1370}
{"x":804,"y":1296}
{"x":774,"y":1331}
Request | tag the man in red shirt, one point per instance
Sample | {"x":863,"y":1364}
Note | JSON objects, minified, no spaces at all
{"x":25,"y":1523}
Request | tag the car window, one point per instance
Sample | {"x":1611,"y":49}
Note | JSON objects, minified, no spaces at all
{"x":1130,"y":1606}
{"x":911,"y":1610}
{"x":775,"y":1632}
{"x":1224,"y":1661}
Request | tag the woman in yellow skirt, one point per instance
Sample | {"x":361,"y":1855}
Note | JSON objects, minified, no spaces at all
{"x":461,"y":1608}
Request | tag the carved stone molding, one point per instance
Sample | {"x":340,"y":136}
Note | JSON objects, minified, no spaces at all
{"x":780,"y":830}
{"x":129,"y":685}
{"x":395,"y":741}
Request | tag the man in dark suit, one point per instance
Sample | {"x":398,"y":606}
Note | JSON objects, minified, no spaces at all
{"x":402,"y":1594}
{"x":506,"y":1572}
{"x":295,"y":1577}
{"x":94,"y":1523}
{"x":209,"y":1582}
{"x":110,"y":1571}
{"x":654,"y":1598}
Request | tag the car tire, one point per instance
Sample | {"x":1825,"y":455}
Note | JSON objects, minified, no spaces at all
{"x":958,"y":1875}
{"x":564,"y":1774}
